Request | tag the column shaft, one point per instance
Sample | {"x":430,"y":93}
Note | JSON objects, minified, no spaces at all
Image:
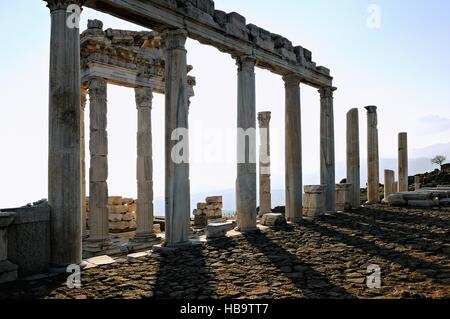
{"x":83,"y":99}
{"x":327,"y":160}
{"x":353,"y":160}
{"x":403,"y":162}
{"x":246,"y":145}
{"x":265,"y":198}
{"x":177,"y":169}
{"x":373,"y":176}
{"x":389,"y":180}
{"x":144,"y":174}
{"x":64,"y":165}
{"x":98,"y":173}
{"x":293,"y":150}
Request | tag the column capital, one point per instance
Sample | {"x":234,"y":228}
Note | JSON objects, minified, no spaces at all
{"x":327,"y":92}
{"x":246,"y":63}
{"x":264,"y":119}
{"x":371,"y":109}
{"x":143,"y":96}
{"x":175,"y":39}
{"x":54,"y":5}
{"x":292,"y":80}
{"x":97,"y":86}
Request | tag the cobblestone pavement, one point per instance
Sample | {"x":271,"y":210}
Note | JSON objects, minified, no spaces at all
{"x":327,"y":258}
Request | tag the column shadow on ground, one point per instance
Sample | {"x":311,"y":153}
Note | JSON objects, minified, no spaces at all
{"x":312,"y":279}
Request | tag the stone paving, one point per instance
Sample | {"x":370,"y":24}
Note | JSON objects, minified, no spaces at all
{"x":327,"y":258}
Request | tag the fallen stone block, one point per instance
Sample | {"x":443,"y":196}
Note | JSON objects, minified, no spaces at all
{"x":214,"y":199}
{"x":444,"y":202}
{"x":396,"y":200}
{"x":273,"y":219}
{"x":416,"y":196}
{"x":422,"y":203}
{"x":217,"y":230}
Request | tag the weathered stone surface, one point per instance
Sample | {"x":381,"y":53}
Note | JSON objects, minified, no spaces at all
{"x":373,"y":164}
{"x":396,"y":200}
{"x":389,"y":178}
{"x":324,"y":259}
{"x":343,"y":202}
{"x":273,"y":219}
{"x":422,"y":203}
{"x":416,"y":195}
{"x":313,"y":202}
{"x":217,"y":230}
{"x":353,"y":160}
{"x":402,"y":162}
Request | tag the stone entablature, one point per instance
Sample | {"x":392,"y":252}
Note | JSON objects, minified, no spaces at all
{"x":228,"y":32}
{"x":126,"y":58}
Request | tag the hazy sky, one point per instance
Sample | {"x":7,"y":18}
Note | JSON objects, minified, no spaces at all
{"x":402,"y":67}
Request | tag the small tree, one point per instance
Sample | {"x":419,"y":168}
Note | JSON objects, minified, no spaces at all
{"x":438,"y":160}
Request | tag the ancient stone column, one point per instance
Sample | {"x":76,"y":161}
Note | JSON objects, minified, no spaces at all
{"x":327,"y":161}
{"x":353,"y":161}
{"x":389,"y":180}
{"x":403,"y":162}
{"x":246,"y":145}
{"x":314,"y":201}
{"x":177,"y":186}
{"x":395,"y":186}
{"x":83,"y":98}
{"x":293,"y":149}
{"x":98,"y":172}
{"x":373,"y":176}
{"x":144,"y":174}
{"x":64,"y":164}
{"x":417,"y":182}
{"x":265,"y":198}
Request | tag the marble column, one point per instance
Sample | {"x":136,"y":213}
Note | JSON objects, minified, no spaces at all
{"x":389,"y":180}
{"x":327,"y":160}
{"x":403,"y":162}
{"x":64,"y":164}
{"x":293,"y":149}
{"x":246,"y":145}
{"x":373,"y":176}
{"x":83,"y":99}
{"x":177,"y":187}
{"x":353,"y":160}
{"x":417,"y":183}
{"x":144,"y":174}
{"x":265,"y":197}
{"x":98,"y":172}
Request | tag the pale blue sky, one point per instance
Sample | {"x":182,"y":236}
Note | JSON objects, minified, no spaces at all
{"x":403,"y":67}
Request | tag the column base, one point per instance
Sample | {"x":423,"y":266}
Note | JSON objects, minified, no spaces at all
{"x":170,"y":247}
{"x":100,"y":247}
{"x":142,"y":242}
{"x":248,"y":230}
{"x":8,"y":271}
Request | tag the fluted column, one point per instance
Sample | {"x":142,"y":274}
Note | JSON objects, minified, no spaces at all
{"x":98,"y":172}
{"x":83,"y":99}
{"x":265,"y":197}
{"x":246,"y":148}
{"x":353,"y":160}
{"x":403,"y":162}
{"x":293,"y":149}
{"x":64,"y":164}
{"x":144,"y":175}
{"x":373,"y":174}
{"x":327,"y":160}
{"x":177,"y":169}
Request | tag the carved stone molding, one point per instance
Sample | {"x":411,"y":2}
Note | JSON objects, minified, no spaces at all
{"x":371,"y":109}
{"x":246,"y":63}
{"x":144,"y":97}
{"x":175,"y":39}
{"x":264,"y":119}
{"x":327,"y":92}
{"x":291,"y":80}
{"x":97,"y":87}
{"x":54,"y":5}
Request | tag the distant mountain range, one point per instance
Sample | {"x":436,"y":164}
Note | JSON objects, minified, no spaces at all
{"x":419,"y":162}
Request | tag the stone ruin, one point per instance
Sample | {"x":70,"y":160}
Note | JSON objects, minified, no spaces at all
{"x":155,"y":62}
{"x":209,"y":211}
